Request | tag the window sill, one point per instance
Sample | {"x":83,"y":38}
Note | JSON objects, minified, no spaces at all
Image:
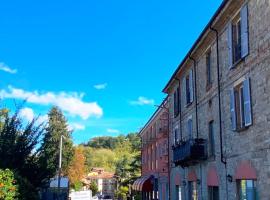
{"x":238,"y":62}
{"x":188,"y":104}
{"x":241,"y":129}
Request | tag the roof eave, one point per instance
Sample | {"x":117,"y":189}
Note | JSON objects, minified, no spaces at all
{"x":210,"y":23}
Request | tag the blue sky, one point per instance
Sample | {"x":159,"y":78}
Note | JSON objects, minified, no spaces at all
{"x":103,"y":62}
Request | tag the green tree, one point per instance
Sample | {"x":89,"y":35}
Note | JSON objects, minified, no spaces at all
{"x":19,"y":153}
{"x":121,"y":194}
{"x":104,"y":158}
{"x":94,"y":188}
{"x":57,"y":127}
{"x":8,"y":186}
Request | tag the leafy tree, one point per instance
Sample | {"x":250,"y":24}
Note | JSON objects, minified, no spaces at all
{"x":77,"y":169}
{"x":121,"y":194}
{"x":77,"y":186}
{"x":18,"y":152}
{"x":57,"y":127}
{"x":8,"y":186}
{"x":94,"y":188}
{"x":104,"y":158}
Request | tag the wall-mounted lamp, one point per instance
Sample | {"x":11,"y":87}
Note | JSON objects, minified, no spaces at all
{"x":230,"y":178}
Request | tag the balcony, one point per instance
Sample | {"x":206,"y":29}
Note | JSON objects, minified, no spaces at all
{"x":190,"y":152}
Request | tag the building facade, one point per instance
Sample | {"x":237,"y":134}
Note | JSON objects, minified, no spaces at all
{"x":154,"y":183}
{"x":105,"y":181}
{"x":219,"y":108}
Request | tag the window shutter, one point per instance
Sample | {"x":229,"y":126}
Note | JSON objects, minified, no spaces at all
{"x":230,"y":49}
{"x":191,"y":85}
{"x":233,"y":113}
{"x":244,"y":31}
{"x":247,"y":102}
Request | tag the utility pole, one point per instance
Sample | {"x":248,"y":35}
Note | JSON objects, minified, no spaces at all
{"x":60,"y":162}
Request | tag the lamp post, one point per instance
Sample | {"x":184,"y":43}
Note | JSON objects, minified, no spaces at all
{"x":60,"y":162}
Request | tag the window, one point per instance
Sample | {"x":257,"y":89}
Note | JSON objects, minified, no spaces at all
{"x":190,"y":128}
{"x":241,"y":106}
{"x":189,"y":87}
{"x":176,"y":136}
{"x":236,"y":38}
{"x":213,"y":193}
{"x":238,"y":41}
{"x":246,"y":190}
{"x":211,"y":139}
{"x":208,"y":69}
{"x":176,"y":102}
{"x":192,"y":190}
{"x":178,"y":193}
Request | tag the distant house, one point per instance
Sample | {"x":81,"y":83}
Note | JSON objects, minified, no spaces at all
{"x":105,"y":181}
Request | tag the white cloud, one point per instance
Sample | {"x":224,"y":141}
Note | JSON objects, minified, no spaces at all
{"x":109,"y":130}
{"x":27,"y":113}
{"x":100,"y":86}
{"x":71,"y":103}
{"x":143,"y":101}
{"x":5,"y":68}
{"x":77,"y":127}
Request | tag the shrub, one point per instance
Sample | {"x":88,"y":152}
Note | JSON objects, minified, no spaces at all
{"x":8,"y":185}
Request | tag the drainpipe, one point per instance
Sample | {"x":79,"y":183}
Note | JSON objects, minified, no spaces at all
{"x":222,"y":158}
{"x":180,"y":109}
{"x":196,"y":112}
{"x":196,"y":99}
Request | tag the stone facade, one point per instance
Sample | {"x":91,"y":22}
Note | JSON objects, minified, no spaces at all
{"x":246,"y":149}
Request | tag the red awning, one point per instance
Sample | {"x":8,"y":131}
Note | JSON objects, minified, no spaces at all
{"x":143,"y":184}
{"x":245,"y":171}
{"x":212,"y":177}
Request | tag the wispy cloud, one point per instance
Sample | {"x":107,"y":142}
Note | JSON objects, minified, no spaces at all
{"x":109,"y":130}
{"x":5,"y":68}
{"x":141,"y":101}
{"x":72,"y":103}
{"x":101,"y":86}
{"x":77,"y":127}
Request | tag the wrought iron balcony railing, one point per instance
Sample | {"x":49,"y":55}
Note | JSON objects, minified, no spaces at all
{"x":190,"y":152}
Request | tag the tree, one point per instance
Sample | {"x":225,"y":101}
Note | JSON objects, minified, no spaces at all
{"x":121,"y":194}
{"x":94,"y":188}
{"x":19,"y":153}
{"x":104,"y":158}
{"x":77,"y":169}
{"x":8,"y":186}
{"x":57,"y":127}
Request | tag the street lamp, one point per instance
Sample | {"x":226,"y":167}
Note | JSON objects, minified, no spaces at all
{"x":60,"y":161}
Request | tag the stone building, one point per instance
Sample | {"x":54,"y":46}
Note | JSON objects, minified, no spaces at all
{"x":153,"y":183}
{"x":105,"y":181}
{"x":219,"y":99}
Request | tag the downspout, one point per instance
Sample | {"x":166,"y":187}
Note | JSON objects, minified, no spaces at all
{"x":222,"y":158}
{"x":196,"y":99}
{"x":196,"y":112}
